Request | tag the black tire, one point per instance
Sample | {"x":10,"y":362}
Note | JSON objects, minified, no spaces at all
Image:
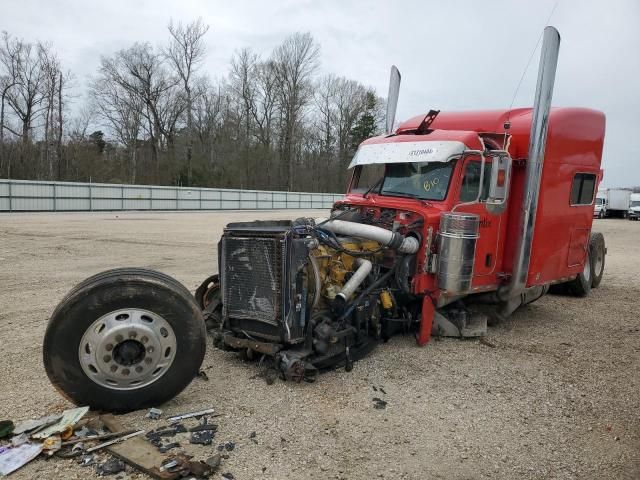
{"x":581,"y":285}
{"x":597,"y":253}
{"x":107,"y":292}
{"x":601,"y":214}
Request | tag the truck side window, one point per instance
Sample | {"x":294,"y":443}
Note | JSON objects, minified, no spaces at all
{"x":471,"y":181}
{"x":583,"y":188}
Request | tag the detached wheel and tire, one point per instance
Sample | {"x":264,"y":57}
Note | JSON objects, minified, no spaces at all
{"x":593,"y":271}
{"x":124,"y":339}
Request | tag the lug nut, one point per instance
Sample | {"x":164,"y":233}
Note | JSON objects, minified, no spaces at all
{"x":125,"y":371}
{"x":108,"y":347}
{"x":133,"y":334}
{"x":147,"y":360}
{"x":114,"y":368}
{"x":149,"y":349}
{"x":138,"y":369}
{"x":119,"y":338}
{"x":144,"y":339}
{"x":106,"y":358}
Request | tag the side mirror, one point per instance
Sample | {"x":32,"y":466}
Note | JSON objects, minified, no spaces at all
{"x":499,"y":186}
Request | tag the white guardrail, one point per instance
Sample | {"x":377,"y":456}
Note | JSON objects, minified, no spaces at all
{"x":42,"y":196}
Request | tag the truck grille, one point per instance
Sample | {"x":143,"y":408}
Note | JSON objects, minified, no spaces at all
{"x":252,"y":278}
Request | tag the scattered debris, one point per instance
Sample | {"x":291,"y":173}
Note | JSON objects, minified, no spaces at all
{"x":203,"y":375}
{"x":32,"y":426}
{"x":204,"y":427}
{"x":154,"y":414}
{"x":168,"y":446}
{"x":214,"y":461}
{"x":382,"y":390}
{"x":69,"y":418}
{"x":177,"y":418}
{"x":18,"y":440}
{"x":204,"y":437}
{"x":114,"y":441}
{"x":110,"y":467}
{"x":6,"y":428}
{"x":14,"y":458}
{"x":86,"y":460}
{"x":228,"y":476}
{"x":229,"y":446}
{"x":379,"y":404}
{"x":52,"y":444}
{"x":168,"y":465}
{"x":252,"y":437}
{"x":103,"y":436}
{"x":375,"y":389}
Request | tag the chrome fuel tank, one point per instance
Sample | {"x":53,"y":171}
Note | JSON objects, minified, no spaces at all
{"x":457,"y":248}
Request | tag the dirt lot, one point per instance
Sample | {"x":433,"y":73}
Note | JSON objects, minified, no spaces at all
{"x":558,"y":397}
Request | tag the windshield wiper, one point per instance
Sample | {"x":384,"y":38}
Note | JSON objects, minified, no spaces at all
{"x":378,"y":182}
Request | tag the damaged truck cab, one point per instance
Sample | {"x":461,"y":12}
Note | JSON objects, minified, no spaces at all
{"x":451,"y":220}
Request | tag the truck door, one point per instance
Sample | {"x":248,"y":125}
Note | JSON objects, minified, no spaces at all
{"x":492,"y":227}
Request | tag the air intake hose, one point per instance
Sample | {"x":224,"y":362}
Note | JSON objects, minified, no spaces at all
{"x":381,"y":235}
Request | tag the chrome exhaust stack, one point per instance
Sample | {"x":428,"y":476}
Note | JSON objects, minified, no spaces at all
{"x":535,"y":161}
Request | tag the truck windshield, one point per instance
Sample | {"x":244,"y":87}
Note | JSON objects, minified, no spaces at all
{"x":635,"y":203}
{"x":599,"y":201}
{"x":425,"y":181}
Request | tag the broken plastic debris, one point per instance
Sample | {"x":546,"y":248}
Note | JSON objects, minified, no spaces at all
{"x":18,"y":440}
{"x":33,"y":425}
{"x":86,"y":460}
{"x":14,"y":458}
{"x":379,"y":404}
{"x":52,"y":444}
{"x":110,"y":467}
{"x":6,"y":427}
{"x":69,"y":418}
{"x":154,"y":414}
{"x":204,"y":437}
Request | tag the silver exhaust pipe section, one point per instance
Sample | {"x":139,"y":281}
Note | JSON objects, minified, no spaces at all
{"x":535,"y":160}
{"x":364,"y":268}
{"x":381,"y":235}
{"x":392,"y":98}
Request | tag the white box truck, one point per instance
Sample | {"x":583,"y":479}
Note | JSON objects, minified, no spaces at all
{"x":618,"y":202}
{"x":634,"y":207}
{"x":601,"y":204}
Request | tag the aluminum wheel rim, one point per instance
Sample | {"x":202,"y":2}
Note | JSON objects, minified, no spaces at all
{"x":587,"y":268}
{"x":127,"y":349}
{"x":599,"y":261}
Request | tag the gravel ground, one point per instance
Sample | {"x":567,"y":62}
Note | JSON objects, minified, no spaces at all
{"x":558,"y":396}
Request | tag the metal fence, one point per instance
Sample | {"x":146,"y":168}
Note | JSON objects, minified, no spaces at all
{"x":39,"y":196}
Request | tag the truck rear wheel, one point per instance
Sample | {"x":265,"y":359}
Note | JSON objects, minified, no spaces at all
{"x":581,"y":285}
{"x":597,"y":252}
{"x":124,"y":339}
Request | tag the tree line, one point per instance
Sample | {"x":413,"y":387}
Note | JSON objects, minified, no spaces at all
{"x":152,"y":115}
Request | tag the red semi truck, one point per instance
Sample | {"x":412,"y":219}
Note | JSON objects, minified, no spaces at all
{"x":451,"y":220}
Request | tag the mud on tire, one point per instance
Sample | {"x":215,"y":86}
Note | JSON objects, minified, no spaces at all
{"x":79,"y":354}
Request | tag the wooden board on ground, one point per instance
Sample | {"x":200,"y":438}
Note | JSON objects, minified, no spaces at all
{"x":137,"y":452}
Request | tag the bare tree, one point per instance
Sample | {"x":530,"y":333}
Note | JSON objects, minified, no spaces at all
{"x":186,"y":52}
{"x":295,"y":62}
{"x":9,"y":58}
{"x":142,"y":72}
{"x":26,"y":95}
{"x":122,"y":110}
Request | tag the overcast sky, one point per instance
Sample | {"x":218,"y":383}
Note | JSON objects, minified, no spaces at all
{"x":452,"y":55}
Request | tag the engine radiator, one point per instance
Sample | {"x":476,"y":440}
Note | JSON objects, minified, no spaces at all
{"x":252,"y":277}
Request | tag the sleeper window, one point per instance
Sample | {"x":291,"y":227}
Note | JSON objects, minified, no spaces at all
{"x":583,"y":188}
